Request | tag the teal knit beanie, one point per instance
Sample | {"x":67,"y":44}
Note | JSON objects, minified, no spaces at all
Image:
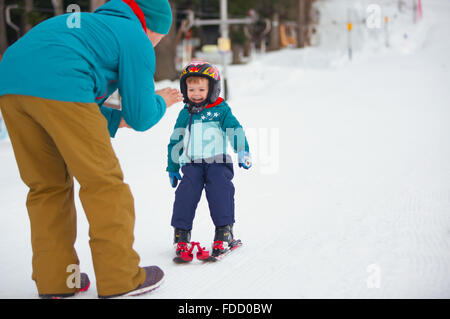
{"x":158,"y":14}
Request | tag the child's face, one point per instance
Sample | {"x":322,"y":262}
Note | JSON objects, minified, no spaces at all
{"x":198,"y":91}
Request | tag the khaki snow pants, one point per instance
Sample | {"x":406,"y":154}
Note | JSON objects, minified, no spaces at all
{"x":53,"y":142}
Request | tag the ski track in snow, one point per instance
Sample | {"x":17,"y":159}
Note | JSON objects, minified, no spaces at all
{"x":362,"y":178}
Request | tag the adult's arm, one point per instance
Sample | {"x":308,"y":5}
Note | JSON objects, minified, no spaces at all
{"x":142,"y":108}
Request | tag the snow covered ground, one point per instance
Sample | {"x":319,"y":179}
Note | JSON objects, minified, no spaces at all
{"x":349,"y":195}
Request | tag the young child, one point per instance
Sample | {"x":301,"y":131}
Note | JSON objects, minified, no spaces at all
{"x":198,"y":145}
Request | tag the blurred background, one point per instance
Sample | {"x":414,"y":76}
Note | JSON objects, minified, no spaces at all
{"x":234,"y":31}
{"x":345,"y":104}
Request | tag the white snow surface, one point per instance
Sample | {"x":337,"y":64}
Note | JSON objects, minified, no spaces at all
{"x":348,"y":196}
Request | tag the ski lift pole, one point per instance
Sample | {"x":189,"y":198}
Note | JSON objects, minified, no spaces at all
{"x":386,"y":31}
{"x":349,"y":28}
{"x":224,"y":43}
{"x":8,"y":18}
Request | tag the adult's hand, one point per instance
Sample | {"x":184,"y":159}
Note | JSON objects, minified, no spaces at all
{"x":123,"y":124}
{"x":170,"y":96}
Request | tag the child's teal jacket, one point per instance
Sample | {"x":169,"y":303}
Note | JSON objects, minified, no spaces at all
{"x":204,"y":135}
{"x":108,"y":50}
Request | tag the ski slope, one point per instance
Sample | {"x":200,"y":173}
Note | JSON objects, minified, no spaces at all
{"x":348,"y":196}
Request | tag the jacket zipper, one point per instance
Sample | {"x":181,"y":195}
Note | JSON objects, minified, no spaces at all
{"x":189,"y":139}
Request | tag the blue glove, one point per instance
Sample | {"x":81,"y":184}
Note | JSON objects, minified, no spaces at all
{"x":174,"y":178}
{"x":244,"y":159}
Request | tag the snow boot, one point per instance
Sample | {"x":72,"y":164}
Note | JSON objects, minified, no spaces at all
{"x":223,"y":240}
{"x":84,"y":286}
{"x":181,"y":240}
{"x":153,"y":279}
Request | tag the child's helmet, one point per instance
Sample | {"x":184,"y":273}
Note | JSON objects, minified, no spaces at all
{"x":206,"y":70}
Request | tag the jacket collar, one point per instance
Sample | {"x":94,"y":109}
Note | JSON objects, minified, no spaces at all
{"x":121,"y":8}
{"x":137,"y":11}
{"x":218,"y":101}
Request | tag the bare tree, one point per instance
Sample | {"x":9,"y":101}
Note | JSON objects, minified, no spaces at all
{"x":3,"y":37}
{"x":58,"y":7}
{"x":274,"y":35}
{"x":301,"y":23}
{"x":165,"y":53}
{"x":26,"y":18}
{"x":304,"y":9}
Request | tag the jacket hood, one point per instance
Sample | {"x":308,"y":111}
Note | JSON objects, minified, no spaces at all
{"x":117,"y":8}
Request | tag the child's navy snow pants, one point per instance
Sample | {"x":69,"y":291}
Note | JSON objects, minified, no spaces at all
{"x":216,"y":179}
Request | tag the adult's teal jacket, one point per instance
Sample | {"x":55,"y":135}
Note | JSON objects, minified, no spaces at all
{"x":108,"y":50}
